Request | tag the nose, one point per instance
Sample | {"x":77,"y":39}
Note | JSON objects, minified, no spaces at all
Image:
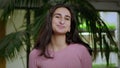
{"x":62,"y":21}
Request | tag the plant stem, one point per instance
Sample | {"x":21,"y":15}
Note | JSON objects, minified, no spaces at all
{"x":28,"y":35}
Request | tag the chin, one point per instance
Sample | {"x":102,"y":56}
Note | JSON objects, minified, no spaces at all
{"x":60,"y":33}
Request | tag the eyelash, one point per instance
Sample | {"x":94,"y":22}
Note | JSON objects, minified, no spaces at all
{"x":67,"y":19}
{"x":59,"y":17}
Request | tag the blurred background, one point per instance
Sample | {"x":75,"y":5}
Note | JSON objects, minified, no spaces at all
{"x":20,"y":21}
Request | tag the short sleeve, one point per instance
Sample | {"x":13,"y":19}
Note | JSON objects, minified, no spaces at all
{"x":86,"y":58}
{"x":32,"y":58}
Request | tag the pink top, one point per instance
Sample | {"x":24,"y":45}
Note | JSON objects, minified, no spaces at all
{"x":73,"y":56}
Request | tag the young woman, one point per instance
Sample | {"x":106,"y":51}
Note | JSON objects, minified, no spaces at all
{"x":59,"y":44}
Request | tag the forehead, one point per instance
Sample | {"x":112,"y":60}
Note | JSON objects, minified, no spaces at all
{"x":62,"y":10}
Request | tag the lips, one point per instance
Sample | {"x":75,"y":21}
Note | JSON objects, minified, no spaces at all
{"x":60,"y":26}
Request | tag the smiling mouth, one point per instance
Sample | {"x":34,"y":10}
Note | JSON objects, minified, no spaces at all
{"x":61,"y":26}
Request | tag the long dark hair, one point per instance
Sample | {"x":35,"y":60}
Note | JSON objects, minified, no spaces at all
{"x":46,"y":32}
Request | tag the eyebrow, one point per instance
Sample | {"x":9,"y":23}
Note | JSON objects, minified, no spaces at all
{"x":60,"y":15}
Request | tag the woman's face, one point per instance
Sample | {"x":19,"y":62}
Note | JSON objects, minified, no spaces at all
{"x":61,"y":21}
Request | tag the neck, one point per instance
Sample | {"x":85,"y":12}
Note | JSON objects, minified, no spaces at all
{"x":58,"y":42}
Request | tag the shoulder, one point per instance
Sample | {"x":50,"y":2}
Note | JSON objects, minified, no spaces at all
{"x":34,"y":53}
{"x":83,"y":54}
{"x":78,"y":46}
{"x":33,"y":57}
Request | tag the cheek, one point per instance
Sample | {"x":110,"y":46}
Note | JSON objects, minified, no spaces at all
{"x":69,"y":26}
{"x":53,"y":24}
{"x":54,"y":21}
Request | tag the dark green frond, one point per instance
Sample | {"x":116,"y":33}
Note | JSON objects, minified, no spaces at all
{"x":8,"y":10}
{"x":88,"y":20}
{"x":107,"y":50}
{"x":11,"y":45}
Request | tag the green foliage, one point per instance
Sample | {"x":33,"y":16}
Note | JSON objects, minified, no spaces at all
{"x":103,"y":66}
{"x":11,"y":44}
{"x":86,"y":15}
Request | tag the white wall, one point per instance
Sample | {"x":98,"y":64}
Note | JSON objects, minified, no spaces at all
{"x":102,"y":60}
{"x":18,"y":62}
{"x":17,"y":19}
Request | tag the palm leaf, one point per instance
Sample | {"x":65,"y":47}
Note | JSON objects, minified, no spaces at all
{"x":83,"y":9}
{"x":40,"y":16}
{"x":11,"y":45}
{"x":107,"y":50}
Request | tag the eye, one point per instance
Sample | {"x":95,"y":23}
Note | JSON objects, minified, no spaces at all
{"x":57,"y":16}
{"x":67,"y":18}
